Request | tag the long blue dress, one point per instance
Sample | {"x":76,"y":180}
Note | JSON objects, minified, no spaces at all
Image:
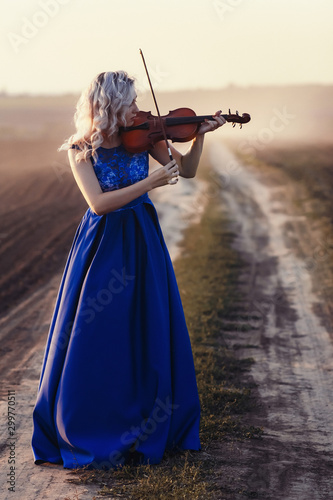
{"x":118,"y":382}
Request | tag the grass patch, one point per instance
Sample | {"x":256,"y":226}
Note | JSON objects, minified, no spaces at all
{"x":177,"y":477}
{"x":207,"y":274}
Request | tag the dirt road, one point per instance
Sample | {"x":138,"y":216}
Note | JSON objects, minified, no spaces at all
{"x":290,"y":344}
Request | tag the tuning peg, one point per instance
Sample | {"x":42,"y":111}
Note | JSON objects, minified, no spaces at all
{"x":240,"y":125}
{"x":229,"y":112}
{"x":234,"y":124}
{"x":237,"y":113}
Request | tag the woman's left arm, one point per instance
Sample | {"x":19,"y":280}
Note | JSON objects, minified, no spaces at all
{"x":188,"y":162}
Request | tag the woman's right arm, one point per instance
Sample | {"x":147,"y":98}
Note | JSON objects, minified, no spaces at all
{"x":103,"y":202}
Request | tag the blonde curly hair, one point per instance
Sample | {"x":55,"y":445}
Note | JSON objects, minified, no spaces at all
{"x":101,"y":107}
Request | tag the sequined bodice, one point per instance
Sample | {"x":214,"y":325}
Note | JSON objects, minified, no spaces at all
{"x":117,"y":168}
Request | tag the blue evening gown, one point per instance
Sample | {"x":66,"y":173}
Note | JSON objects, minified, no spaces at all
{"x":117,"y":382}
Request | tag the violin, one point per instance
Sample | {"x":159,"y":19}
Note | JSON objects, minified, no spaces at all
{"x":179,"y":125}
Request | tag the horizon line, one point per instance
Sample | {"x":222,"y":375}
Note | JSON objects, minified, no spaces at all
{"x":7,"y":94}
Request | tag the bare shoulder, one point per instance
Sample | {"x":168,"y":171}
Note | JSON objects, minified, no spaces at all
{"x":71,"y":154}
{"x":73,"y":161}
{"x":72,"y":158}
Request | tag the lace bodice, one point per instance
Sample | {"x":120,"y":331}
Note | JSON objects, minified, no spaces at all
{"x":116,"y":168}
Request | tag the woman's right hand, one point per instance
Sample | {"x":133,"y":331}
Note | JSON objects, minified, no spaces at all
{"x":165,"y":175}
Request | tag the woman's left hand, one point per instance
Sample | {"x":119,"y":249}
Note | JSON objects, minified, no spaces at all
{"x":210,"y":125}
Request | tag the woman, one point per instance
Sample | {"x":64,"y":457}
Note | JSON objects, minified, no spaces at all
{"x":117,"y":383}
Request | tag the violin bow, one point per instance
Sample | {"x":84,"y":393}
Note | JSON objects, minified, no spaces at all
{"x":156,"y":106}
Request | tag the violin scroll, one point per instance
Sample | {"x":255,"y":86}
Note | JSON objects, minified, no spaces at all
{"x":237,"y":118}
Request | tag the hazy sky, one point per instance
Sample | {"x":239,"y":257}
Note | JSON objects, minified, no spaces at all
{"x":55,"y":46}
